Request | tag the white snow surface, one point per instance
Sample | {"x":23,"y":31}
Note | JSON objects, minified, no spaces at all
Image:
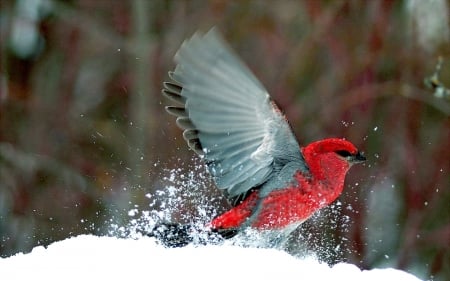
{"x":89,"y":257}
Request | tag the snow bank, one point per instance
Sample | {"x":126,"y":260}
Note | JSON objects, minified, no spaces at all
{"x":89,"y":257}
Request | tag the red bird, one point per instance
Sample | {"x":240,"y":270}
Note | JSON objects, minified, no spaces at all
{"x":248,"y":146}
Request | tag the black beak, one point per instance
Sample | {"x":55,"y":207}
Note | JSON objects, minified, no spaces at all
{"x":358,"y":158}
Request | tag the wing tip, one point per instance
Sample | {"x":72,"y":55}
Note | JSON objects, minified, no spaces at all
{"x":176,"y":111}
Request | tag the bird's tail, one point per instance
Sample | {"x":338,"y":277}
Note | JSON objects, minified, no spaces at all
{"x":174,"y":235}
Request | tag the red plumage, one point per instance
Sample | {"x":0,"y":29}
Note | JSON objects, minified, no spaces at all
{"x":297,"y":202}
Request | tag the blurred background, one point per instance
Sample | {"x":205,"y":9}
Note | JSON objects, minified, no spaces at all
{"x":84,"y":137}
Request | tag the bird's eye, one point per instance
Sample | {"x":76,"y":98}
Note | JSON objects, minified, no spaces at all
{"x":343,"y":153}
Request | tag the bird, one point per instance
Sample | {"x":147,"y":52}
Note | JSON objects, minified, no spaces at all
{"x":229,"y":119}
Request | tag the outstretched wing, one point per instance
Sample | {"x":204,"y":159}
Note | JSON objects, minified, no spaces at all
{"x":227,"y":116}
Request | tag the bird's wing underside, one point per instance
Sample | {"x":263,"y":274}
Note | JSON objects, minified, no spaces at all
{"x":227,"y":116}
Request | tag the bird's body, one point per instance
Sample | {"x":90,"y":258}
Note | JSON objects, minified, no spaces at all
{"x":230,"y":120}
{"x":280,"y":208}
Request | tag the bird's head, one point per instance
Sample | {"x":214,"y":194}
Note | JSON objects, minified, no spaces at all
{"x":332,"y":157}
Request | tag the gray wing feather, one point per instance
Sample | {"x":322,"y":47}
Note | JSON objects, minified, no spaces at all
{"x":228,"y":116}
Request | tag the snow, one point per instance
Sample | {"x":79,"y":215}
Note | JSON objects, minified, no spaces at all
{"x":89,"y":257}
